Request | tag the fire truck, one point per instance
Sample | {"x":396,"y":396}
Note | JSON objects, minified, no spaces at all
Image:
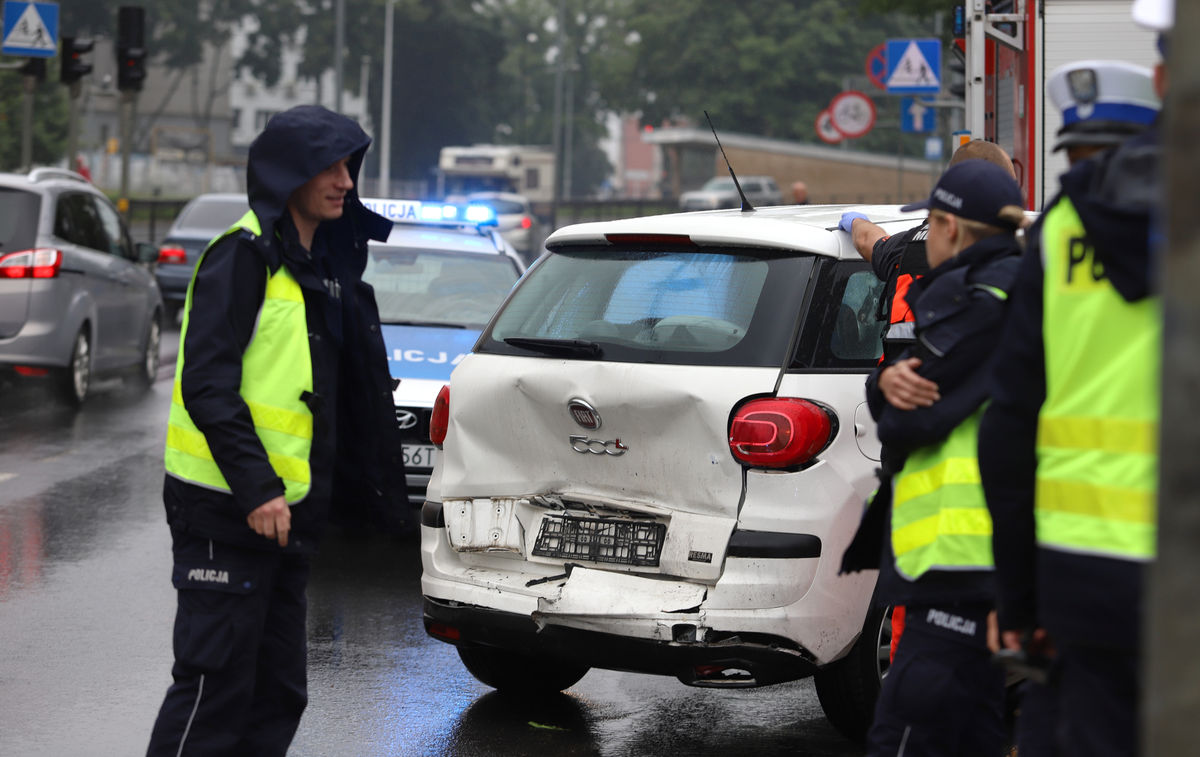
{"x":1010,"y":48}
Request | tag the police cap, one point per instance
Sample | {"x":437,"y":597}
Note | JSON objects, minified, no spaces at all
{"x":1102,"y":101}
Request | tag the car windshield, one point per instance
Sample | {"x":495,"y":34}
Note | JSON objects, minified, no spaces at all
{"x":211,"y":214}
{"x":502,"y":207}
{"x":719,"y":184}
{"x":18,"y":219}
{"x":438,"y":287}
{"x":683,"y":307}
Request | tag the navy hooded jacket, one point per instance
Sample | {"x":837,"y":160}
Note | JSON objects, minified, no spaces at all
{"x":356,"y":454}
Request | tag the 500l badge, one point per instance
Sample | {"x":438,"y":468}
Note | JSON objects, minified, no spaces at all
{"x":612,"y":447}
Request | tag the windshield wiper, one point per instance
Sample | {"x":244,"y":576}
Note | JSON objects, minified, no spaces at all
{"x":572,"y":347}
{"x":440,"y":324}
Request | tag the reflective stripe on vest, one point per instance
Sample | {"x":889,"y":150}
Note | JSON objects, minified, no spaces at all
{"x":939,"y":517}
{"x":1098,"y":428}
{"x":276,"y":372}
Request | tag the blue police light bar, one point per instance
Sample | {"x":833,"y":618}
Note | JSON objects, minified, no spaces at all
{"x":431,"y":213}
{"x":480,"y":214}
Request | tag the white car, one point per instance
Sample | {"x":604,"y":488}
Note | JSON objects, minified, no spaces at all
{"x":438,"y":278}
{"x":721,"y":192}
{"x":655,"y":456}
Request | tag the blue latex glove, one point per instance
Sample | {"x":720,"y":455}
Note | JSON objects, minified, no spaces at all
{"x":847,"y":222}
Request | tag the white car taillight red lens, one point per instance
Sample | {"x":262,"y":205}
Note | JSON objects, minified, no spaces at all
{"x":172,"y":255}
{"x":779,"y":432}
{"x":439,"y":419}
{"x":526,"y":222}
{"x":42,"y":263}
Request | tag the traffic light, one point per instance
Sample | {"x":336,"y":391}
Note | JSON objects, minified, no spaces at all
{"x":131,"y":47}
{"x":35,"y":67}
{"x":956,"y":72}
{"x":73,"y":66}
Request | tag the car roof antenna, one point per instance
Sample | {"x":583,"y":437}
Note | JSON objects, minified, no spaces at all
{"x":746,"y":206}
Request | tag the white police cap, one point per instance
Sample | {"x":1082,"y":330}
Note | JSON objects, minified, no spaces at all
{"x":1102,"y":101}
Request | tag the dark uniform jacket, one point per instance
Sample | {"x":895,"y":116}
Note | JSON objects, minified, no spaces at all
{"x":957,"y":326}
{"x":356,"y":454}
{"x":1084,"y":599}
{"x":899,"y":260}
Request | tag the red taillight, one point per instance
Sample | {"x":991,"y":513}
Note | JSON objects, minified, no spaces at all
{"x":42,"y":263}
{"x":171,"y":255}
{"x":656,"y":239}
{"x":443,"y":631}
{"x":29,"y":370}
{"x":439,"y":420}
{"x":526,"y":222}
{"x":779,"y":432}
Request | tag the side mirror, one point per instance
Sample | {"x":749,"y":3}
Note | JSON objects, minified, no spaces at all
{"x":146,"y":252}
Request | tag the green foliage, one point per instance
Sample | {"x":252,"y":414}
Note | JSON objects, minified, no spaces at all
{"x":49,"y":120}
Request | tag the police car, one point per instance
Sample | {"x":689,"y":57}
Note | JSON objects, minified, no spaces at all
{"x":655,"y":456}
{"x":438,"y":278}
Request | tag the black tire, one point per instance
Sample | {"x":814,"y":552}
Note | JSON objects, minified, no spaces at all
{"x":146,"y":373}
{"x":75,"y":379}
{"x":517,"y":673}
{"x":849,"y":687}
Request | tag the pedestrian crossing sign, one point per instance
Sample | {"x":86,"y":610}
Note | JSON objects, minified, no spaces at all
{"x":30,"y":29}
{"x":914,"y":66}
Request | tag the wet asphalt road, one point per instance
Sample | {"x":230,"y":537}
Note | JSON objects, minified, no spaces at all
{"x":86,"y":608}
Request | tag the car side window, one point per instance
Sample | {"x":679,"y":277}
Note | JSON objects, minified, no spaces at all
{"x":843,"y":330}
{"x":117,"y":241}
{"x":77,"y":222}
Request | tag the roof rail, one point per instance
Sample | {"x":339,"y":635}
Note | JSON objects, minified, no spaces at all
{"x":47,"y":173}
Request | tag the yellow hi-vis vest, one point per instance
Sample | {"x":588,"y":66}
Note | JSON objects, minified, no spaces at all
{"x":276,"y":371}
{"x":940,"y":520}
{"x":1097,"y":443}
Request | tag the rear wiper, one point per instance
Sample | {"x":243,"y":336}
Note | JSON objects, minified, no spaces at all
{"x":440,"y":324}
{"x":573,"y":347}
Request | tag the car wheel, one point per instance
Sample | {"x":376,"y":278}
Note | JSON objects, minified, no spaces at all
{"x":147,"y":370}
{"x":74,"y":380}
{"x":523,"y":674}
{"x":848,"y":688}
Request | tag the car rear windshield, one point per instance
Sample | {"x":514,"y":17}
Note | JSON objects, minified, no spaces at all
{"x":19,"y":212}
{"x":211,"y":215}
{"x":416,"y":286}
{"x":685,"y":307}
{"x":504,"y":207}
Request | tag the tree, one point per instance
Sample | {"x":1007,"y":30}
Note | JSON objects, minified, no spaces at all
{"x":50,"y":120}
{"x":759,"y":68}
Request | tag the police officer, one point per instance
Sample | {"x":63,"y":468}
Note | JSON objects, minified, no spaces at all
{"x":1102,"y":104}
{"x":898,"y":261}
{"x":1067,"y":445}
{"x":942,"y":695}
{"x":281,"y":409}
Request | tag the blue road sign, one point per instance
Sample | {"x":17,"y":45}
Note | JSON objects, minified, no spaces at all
{"x":30,"y":29}
{"x":914,"y":66}
{"x":916,"y":116}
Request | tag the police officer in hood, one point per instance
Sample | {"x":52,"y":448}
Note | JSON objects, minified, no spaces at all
{"x":943,"y":695}
{"x":281,"y":409}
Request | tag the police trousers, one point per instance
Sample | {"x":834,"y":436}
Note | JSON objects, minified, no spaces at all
{"x":240,"y":677}
{"x":942,"y":696}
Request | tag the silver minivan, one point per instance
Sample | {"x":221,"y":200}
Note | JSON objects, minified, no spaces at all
{"x":77,"y":297}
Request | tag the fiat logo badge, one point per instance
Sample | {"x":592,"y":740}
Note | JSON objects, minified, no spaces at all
{"x":584,"y":414}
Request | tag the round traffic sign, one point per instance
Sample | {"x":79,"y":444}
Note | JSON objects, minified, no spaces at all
{"x":825,"y":128}
{"x":877,"y":65}
{"x":853,"y":113}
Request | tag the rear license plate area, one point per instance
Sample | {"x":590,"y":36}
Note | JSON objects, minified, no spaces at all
{"x":602,"y":540}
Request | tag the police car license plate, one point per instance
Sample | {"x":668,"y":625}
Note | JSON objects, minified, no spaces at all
{"x":625,"y":542}
{"x":420,"y":455}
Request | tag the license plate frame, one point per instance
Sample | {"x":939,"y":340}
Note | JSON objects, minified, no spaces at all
{"x":601,"y":540}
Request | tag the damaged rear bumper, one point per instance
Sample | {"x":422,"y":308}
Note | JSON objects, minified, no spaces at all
{"x":722,"y":659}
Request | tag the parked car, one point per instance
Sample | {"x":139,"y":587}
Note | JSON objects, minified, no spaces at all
{"x":720,"y":192}
{"x":655,"y":456}
{"x":77,"y":296}
{"x":514,"y":218}
{"x":200,"y":221}
{"x":437,"y":282}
